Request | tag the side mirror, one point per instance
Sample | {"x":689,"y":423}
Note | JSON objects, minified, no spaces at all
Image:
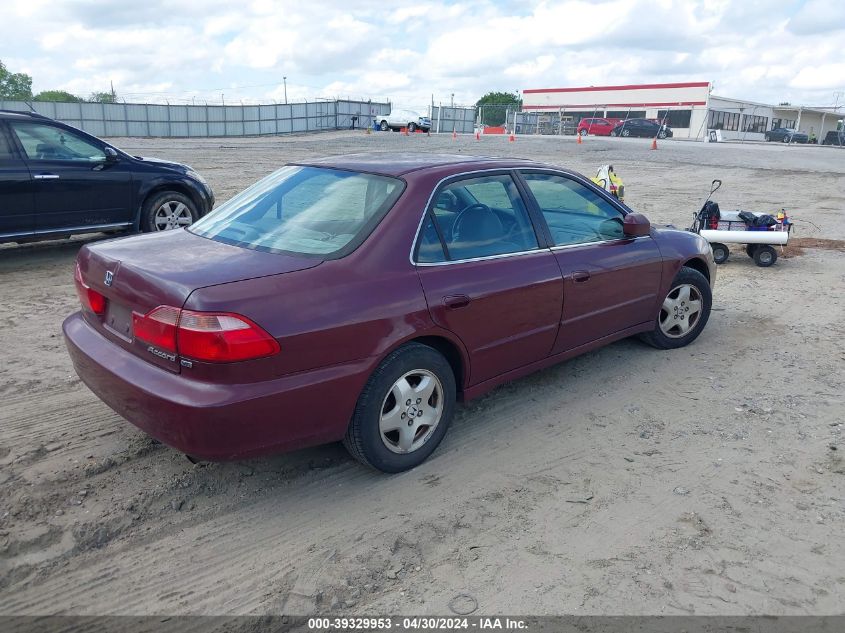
{"x":636,"y":225}
{"x":111,"y":155}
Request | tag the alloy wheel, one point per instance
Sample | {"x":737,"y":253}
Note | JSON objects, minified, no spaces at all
{"x":680,"y":311}
{"x":172,"y":214}
{"x":411,"y":411}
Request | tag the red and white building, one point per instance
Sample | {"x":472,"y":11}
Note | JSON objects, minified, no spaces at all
{"x":689,"y":109}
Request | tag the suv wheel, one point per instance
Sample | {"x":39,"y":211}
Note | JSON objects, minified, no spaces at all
{"x":404,"y":410}
{"x":684,"y":311}
{"x":384,"y":126}
{"x":412,"y":127}
{"x":168,"y":210}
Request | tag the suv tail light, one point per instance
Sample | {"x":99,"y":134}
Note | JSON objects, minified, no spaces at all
{"x":217,"y":337}
{"x":90,"y":299}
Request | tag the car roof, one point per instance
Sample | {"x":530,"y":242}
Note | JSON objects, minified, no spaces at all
{"x":20,"y":114}
{"x":398,"y":164}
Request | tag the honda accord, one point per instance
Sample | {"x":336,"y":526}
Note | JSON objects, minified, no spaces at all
{"x":356,"y":298}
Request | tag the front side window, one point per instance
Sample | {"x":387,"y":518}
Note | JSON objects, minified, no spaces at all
{"x":308,"y":211}
{"x":476,"y":217}
{"x":46,"y":142}
{"x":575,"y":213}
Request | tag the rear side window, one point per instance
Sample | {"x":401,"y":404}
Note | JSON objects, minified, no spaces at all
{"x":46,"y":142}
{"x":304,"y":211}
{"x":476,"y":217}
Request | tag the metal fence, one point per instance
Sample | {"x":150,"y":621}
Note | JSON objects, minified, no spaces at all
{"x":448,"y":119}
{"x":148,"y":119}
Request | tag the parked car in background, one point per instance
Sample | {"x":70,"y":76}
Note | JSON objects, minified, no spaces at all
{"x":57,"y":181}
{"x":641,"y":127}
{"x":785,"y":135}
{"x":598,"y":127}
{"x":397,"y":119}
{"x":834,"y":137}
{"x":356,"y":297}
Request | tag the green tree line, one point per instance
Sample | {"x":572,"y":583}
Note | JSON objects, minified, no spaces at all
{"x":18,"y":87}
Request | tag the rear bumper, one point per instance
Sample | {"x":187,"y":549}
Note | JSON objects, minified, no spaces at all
{"x":217,"y":421}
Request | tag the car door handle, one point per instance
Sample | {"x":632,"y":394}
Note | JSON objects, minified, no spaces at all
{"x":456,"y":301}
{"x":46,"y":176}
{"x":579,"y":276}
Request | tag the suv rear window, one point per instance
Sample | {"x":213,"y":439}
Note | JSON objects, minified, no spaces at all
{"x":309,"y":211}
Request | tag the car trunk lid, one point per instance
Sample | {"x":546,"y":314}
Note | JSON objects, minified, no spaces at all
{"x":140,"y":273}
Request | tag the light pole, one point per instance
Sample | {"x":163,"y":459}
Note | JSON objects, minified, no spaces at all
{"x":285,"y":80}
{"x":453,"y":101}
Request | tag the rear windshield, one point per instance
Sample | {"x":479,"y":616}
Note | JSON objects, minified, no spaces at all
{"x":307,"y":211}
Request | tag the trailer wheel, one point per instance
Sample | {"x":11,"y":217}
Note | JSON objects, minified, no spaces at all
{"x":720,"y":252}
{"x":749,"y":250}
{"x":765,"y":255}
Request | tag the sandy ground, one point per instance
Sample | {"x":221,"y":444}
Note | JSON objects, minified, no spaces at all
{"x":707,"y":480}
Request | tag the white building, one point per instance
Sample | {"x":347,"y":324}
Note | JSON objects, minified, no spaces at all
{"x":689,"y":109}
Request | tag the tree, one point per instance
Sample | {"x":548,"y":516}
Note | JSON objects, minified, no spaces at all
{"x":14,"y":86}
{"x":495,"y":106}
{"x":102,"y":97}
{"x":57,"y":95}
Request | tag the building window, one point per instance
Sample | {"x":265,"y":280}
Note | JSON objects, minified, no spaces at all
{"x":625,"y":114}
{"x":675,"y":118}
{"x":719,"y":120}
{"x":754,"y":123}
{"x":789,"y":124}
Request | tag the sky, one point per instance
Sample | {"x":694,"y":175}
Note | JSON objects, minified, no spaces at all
{"x":412,"y":51}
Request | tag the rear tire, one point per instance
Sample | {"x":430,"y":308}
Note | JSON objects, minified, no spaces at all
{"x":626,"y":132}
{"x":684,"y":311}
{"x":384,"y":127}
{"x":168,"y":210}
{"x":583,"y":132}
{"x":720,"y":252}
{"x":423,"y":380}
{"x":765,"y":255}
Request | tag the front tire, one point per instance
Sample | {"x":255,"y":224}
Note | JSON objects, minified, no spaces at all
{"x":583,"y":132}
{"x":168,"y":210}
{"x":412,"y":127}
{"x":720,"y":252}
{"x":684,"y":312}
{"x":661,"y":134}
{"x":626,"y":133}
{"x":403,"y":411}
{"x":384,"y":127}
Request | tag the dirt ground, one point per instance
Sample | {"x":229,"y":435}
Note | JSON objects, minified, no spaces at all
{"x":707,"y":480}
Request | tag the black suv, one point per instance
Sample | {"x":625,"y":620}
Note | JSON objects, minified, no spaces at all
{"x":56,"y":181}
{"x":641,"y":127}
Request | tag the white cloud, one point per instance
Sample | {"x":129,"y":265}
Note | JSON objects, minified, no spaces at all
{"x":408,"y":49}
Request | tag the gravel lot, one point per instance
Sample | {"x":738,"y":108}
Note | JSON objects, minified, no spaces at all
{"x":707,"y":480}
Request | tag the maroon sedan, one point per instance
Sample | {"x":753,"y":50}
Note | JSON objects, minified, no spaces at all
{"x":355,"y":298}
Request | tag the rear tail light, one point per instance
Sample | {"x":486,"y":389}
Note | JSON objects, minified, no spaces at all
{"x":206,"y":336}
{"x":157,"y":327}
{"x":90,"y":299}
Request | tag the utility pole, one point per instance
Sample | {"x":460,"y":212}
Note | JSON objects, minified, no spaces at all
{"x":453,"y":101}
{"x":285,"y":80}
{"x":113,"y":95}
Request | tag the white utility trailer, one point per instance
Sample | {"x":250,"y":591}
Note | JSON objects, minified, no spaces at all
{"x":738,"y":227}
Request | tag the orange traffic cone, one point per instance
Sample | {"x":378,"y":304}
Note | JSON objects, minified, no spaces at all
{"x":454,"y":134}
{"x":405,"y":131}
{"x":579,"y":141}
{"x":654,"y":143}
{"x":477,"y":135}
{"x":511,"y":138}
